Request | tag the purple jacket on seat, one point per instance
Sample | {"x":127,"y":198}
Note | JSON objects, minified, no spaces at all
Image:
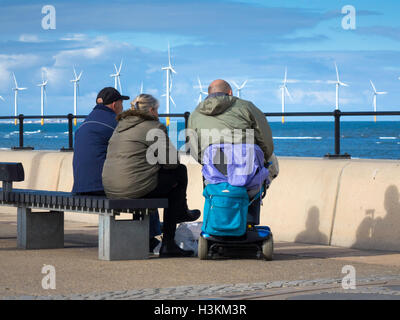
{"x":244,"y":168}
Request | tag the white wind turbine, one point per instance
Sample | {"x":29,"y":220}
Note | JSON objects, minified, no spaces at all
{"x":338,"y":83}
{"x":42,"y":95}
{"x":75,"y":81}
{"x":284,"y":91}
{"x":201,"y":91}
{"x":16,"y":90}
{"x":116,"y":76}
{"x":376,"y":93}
{"x":169,"y":69}
{"x":239,"y":88}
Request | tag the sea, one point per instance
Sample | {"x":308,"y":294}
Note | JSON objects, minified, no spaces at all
{"x":365,"y":140}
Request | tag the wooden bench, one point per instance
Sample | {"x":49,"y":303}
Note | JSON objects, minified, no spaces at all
{"x":118,"y":239}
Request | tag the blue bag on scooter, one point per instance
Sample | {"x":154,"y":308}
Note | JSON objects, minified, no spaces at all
{"x":225,"y":210}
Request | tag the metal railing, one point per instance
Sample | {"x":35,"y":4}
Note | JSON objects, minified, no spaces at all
{"x":336,"y":114}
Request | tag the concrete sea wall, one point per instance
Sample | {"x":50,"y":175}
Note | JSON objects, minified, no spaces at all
{"x":348,"y":203}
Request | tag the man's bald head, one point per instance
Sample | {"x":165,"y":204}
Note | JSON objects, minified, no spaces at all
{"x":219,"y":86}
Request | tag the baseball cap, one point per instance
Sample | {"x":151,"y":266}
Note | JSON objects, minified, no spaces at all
{"x":109,"y":95}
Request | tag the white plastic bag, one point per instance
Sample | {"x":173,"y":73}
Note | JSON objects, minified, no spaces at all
{"x":187,"y":235}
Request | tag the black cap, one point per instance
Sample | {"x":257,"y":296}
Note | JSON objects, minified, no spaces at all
{"x":109,"y":95}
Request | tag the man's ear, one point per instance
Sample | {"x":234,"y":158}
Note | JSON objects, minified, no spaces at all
{"x":230,"y":92}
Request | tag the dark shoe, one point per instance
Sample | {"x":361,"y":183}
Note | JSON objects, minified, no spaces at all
{"x":153,"y":244}
{"x":171,"y":249}
{"x":190,"y":215}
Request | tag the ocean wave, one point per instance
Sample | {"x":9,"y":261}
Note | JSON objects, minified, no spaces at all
{"x":298,"y":138}
{"x":387,"y":138}
{"x":51,"y":137}
{"x":32,"y":132}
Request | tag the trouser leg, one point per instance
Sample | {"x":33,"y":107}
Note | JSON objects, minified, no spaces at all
{"x":253,"y":215}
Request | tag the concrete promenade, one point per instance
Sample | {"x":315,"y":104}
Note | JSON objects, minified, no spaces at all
{"x":298,"y":271}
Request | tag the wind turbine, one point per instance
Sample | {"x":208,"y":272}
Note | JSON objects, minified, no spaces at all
{"x":376,"y":93}
{"x":16,"y":90}
{"x":338,"y":84}
{"x":1,"y":98}
{"x":239,"y":88}
{"x":201,"y":92}
{"x":42,"y":95}
{"x":169,"y":69}
{"x":75,"y":81}
{"x":116,"y":76}
{"x":284,"y":91}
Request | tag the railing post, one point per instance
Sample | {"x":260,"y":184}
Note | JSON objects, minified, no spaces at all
{"x":186,"y":115}
{"x":21,"y":135}
{"x":70,"y":135}
{"x":337,"y":155}
{"x":337,"y":114}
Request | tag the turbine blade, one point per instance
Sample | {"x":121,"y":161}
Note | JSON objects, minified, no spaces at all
{"x":172,"y":100}
{"x":382,"y":92}
{"x":235,"y":84}
{"x":1,"y":98}
{"x":74,"y":73}
{"x":15,"y":80}
{"x":337,"y":72}
{"x":288,"y":93}
{"x":372,"y":84}
{"x":285,"y":80}
{"x":80,"y":75}
{"x":243,"y":84}
{"x":116,"y":70}
{"x":200,"y":86}
{"x":343,"y":84}
{"x":120,"y":67}
{"x":169,"y":55}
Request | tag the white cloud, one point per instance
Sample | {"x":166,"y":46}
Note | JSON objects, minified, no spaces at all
{"x":98,"y":48}
{"x":29,"y":38}
{"x":74,"y":37}
{"x":9,"y":63}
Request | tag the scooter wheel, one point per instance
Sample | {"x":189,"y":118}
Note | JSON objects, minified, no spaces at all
{"x":268,"y":248}
{"x":202,"y":249}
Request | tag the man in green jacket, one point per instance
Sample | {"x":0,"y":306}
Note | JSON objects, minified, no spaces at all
{"x":223,"y":118}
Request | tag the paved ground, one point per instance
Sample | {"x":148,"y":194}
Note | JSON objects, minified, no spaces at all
{"x":298,"y":271}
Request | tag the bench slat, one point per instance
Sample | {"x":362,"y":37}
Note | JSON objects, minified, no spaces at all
{"x":55,"y":198}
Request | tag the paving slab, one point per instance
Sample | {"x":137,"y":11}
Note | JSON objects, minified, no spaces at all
{"x":80,"y":275}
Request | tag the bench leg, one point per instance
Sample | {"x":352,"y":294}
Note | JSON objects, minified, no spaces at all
{"x":40,"y":230}
{"x":123,"y":239}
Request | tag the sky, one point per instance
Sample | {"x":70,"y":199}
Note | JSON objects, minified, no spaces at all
{"x":233,"y":40}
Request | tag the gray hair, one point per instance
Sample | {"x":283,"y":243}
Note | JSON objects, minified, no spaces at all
{"x":144,"y":102}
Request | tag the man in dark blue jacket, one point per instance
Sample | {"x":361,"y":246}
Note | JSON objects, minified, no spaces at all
{"x":91,"y":142}
{"x":90,"y":150}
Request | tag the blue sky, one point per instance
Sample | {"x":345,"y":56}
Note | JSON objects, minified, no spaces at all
{"x":233,"y":40}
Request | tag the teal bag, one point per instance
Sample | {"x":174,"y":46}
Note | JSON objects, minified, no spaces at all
{"x":225,"y":210}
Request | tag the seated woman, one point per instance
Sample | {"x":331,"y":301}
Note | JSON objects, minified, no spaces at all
{"x":128,"y":173}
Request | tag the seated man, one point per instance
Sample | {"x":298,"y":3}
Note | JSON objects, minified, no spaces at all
{"x":222,"y":118}
{"x":90,"y":150}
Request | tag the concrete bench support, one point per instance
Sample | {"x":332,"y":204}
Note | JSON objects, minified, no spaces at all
{"x":123,"y":239}
{"x":40,"y":230}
